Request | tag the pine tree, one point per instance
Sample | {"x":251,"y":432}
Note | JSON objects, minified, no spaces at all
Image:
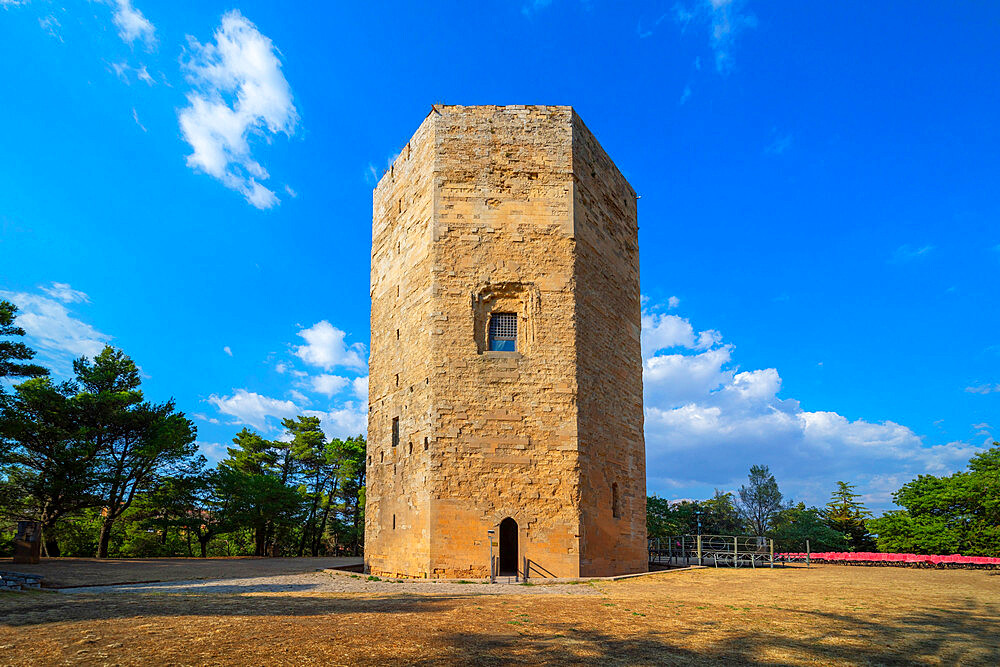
{"x":13,"y":353}
{"x":760,"y":501}
{"x":846,"y":514}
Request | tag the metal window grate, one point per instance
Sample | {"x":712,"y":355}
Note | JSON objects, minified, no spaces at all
{"x":503,"y":326}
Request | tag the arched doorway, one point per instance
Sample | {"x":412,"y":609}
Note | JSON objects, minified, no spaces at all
{"x":508,"y":548}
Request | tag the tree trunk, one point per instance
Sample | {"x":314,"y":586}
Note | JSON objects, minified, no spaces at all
{"x":203,"y":541}
{"x":105,"y":538}
{"x":322,"y":528}
{"x":259,"y":548}
{"x":268,"y":538}
{"x":358,"y":543}
{"x":310,"y":528}
{"x":49,"y":544}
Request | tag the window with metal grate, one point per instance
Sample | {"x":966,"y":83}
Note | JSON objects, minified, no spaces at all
{"x":503,"y":332}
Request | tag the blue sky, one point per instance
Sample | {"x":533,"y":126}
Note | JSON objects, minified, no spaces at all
{"x":818,"y":221}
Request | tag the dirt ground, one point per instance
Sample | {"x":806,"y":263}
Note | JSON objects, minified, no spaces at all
{"x":67,"y":572}
{"x":821,"y":615}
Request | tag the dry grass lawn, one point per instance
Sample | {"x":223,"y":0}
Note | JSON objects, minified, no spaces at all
{"x":821,"y":615}
{"x":66,"y":572}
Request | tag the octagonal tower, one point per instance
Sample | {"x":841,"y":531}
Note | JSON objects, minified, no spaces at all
{"x":505,"y":385}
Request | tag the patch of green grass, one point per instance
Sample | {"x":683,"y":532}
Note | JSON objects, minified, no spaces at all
{"x":527,"y":583}
{"x":372,"y":577}
{"x":609,"y":604}
{"x":464,"y":581}
{"x":635,"y":613}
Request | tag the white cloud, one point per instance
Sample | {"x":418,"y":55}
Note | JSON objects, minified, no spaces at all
{"x":360,"y":387}
{"x":707,"y":422}
{"x":205,"y":418}
{"x":725,"y":19}
{"x":143,"y":75}
{"x":242,"y":65}
{"x":52,"y":330}
{"x":132,"y":25}
{"x":673,"y":302}
{"x":908,"y":253}
{"x":661,"y":331}
{"x":135,"y":117}
{"x":228,"y":350}
{"x":681,"y":378}
{"x":348,"y":420}
{"x":213,"y":451}
{"x":983,"y":389}
{"x":253,"y":409}
{"x":328,"y":384}
{"x":325,"y":348}
{"x":123,"y":69}
{"x":63,"y":292}
{"x":51,"y":25}
{"x":685,"y":96}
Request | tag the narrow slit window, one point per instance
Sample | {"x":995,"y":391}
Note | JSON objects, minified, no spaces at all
{"x":615,"y":509}
{"x":395,"y":431}
{"x":503,"y":332}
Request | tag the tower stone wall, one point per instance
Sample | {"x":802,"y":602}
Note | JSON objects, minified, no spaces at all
{"x":513,"y":210}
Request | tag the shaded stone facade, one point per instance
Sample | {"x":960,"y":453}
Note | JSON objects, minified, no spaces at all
{"x":514,"y":210}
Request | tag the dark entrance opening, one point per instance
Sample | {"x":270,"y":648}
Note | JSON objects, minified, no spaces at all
{"x":508,"y":548}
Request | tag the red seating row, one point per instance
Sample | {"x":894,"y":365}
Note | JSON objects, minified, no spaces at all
{"x":869,"y":557}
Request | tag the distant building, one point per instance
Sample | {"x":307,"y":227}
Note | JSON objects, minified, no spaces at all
{"x":505,"y":374}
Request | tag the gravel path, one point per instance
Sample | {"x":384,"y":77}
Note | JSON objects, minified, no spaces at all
{"x":326,"y":582}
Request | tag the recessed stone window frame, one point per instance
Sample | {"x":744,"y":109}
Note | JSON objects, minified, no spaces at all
{"x":510,"y":309}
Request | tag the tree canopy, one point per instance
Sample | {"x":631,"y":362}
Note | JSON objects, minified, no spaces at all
{"x":957,"y":514}
{"x":108,"y":472}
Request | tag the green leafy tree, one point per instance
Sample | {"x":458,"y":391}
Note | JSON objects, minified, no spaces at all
{"x":251,"y":481}
{"x":794,"y":525}
{"x":721,"y":517}
{"x":52,"y":467}
{"x":187,"y":502}
{"x":138,"y":441}
{"x":759,"y":500}
{"x":847,"y":515}
{"x":13,"y":353}
{"x":352,"y":454}
{"x":318,"y":466}
{"x":959,"y":513}
{"x":718,"y":516}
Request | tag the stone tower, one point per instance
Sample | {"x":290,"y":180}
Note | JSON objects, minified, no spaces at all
{"x":505,"y":387}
